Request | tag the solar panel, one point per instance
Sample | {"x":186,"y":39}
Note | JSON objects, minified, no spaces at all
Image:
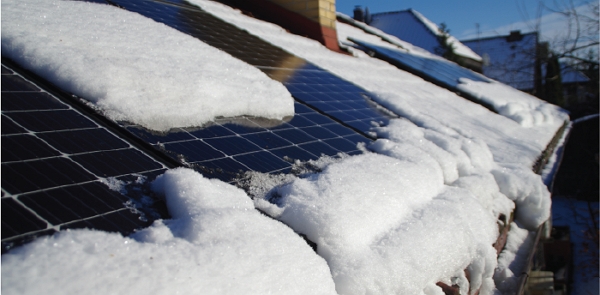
{"x":331,"y":115}
{"x":325,"y":92}
{"x":54,"y":159}
{"x":57,"y":181}
{"x":438,"y":71}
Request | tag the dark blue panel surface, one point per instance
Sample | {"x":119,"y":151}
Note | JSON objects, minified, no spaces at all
{"x":66,"y":204}
{"x":16,"y":220}
{"x":53,"y":160}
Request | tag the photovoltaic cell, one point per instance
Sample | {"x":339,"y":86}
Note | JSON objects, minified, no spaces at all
{"x":54,"y":160}
{"x":438,"y":71}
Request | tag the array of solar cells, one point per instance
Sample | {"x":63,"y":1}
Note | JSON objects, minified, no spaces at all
{"x":438,"y":71}
{"x":54,"y":161}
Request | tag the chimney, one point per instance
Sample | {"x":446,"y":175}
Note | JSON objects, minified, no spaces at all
{"x":315,"y":19}
{"x":359,"y":14}
{"x":514,"y":36}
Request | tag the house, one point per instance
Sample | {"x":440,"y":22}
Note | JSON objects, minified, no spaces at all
{"x":359,"y":169}
{"x":411,"y":26}
{"x":520,"y":60}
{"x":511,"y":59}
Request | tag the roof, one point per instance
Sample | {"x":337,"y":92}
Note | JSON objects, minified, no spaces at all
{"x":511,"y":61}
{"x":372,"y":169}
{"x":411,"y":26}
{"x":572,"y":76}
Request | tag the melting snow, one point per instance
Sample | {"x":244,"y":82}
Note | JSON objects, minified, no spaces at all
{"x":216,"y":243}
{"x":133,"y":68}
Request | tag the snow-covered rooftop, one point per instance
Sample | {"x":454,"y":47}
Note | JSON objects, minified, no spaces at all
{"x":418,"y":206}
{"x":404,"y":25}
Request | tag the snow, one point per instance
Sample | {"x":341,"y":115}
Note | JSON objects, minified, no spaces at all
{"x":422,"y":196}
{"x":512,"y":103}
{"x":148,"y":74}
{"x":216,"y":243}
{"x":523,"y":108}
{"x":459,"y":48}
{"x":389,"y":225}
{"x":418,"y":207}
{"x":513,"y":258}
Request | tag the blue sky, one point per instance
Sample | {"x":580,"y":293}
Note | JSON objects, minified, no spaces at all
{"x":493,"y":16}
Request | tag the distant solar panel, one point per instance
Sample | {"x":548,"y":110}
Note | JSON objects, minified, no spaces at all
{"x":53,"y":160}
{"x":438,"y":71}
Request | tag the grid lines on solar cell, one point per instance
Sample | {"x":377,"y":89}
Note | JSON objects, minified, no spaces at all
{"x":54,"y":162}
{"x":228,"y":148}
{"x":325,"y":92}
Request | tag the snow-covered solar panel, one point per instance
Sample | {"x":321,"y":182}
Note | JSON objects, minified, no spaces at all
{"x":56,"y":182}
{"x":54,"y":159}
{"x":438,"y":71}
{"x":307,"y":83}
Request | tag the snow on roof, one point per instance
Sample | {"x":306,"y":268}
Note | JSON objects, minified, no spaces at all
{"x":215,"y":242}
{"x":523,"y":108}
{"x":405,"y":93}
{"x":418,"y":207}
{"x":149,"y":74}
{"x":569,"y":75}
{"x":403,"y":24}
{"x":372,"y":246}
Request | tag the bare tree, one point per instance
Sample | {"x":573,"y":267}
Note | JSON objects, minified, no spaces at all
{"x":579,"y":43}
